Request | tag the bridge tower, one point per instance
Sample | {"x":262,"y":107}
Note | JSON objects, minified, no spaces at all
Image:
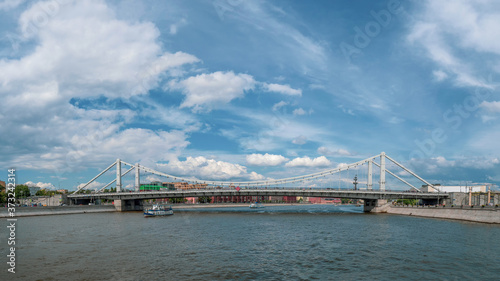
{"x":382,"y":171}
{"x":369,"y":183}
{"x":118,"y":175}
{"x":137,"y":177}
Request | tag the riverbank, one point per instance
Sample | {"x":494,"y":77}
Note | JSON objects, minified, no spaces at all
{"x":56,"y":210}
{"x":483,"y":215}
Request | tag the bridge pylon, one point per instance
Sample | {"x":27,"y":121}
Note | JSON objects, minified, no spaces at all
{"x":382,"y":172}
{"x":118,"y":175}
{"x":137,"y":177}
{"x":369,"y":184}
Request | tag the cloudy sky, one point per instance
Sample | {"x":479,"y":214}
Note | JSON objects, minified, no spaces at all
{"x":231,"y":89}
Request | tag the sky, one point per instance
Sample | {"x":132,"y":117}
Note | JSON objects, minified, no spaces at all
{"x":249,"y":90}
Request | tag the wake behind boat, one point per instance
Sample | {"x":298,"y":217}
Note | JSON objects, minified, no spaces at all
{"x":158,"y":210}
{"x":256,"y":205}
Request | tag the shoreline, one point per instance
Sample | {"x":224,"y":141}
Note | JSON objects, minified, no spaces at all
{"x":481,"y":215}
{"x":56,"y":210}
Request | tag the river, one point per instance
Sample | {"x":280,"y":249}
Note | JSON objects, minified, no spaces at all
{"x":310,"y":242}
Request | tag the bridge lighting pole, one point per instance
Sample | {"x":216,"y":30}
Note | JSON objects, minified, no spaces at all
{"x":370,"y":167}
{"x":382,"y":171}
{"x":137,"y":177}
{"x":118,"y":175}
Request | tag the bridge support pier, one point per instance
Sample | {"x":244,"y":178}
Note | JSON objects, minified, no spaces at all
{"x":376,"y":206}
{"x":128,"y":205}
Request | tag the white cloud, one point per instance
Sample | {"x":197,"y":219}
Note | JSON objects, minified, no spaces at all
{"x":152,"y":178}
{"x":308,"y":162}
{"x":308,"y":55}
{"x":255,"y":177}
{"x":207,"y":91}
{"x":299,"y":111}
{"x":282,"y":89}
{"x":300,"y":140}
{"x":92,"y":186}
{"x":440,"y":75}
{"x":279,"y":105}
{"x":441,"y":165}
{"x":175,"y":27}
{"x":83,"y":51}
{"x":469,"y":27}
{"x":42,"y":185}
{"x":84,"y":33}
{"x":208,"y":169}
{"x":265,"y":159}
{"x":10,"y":4}
{"x":348,"y":110}
{"x":493,"y":106}
{"x":338,"y":152}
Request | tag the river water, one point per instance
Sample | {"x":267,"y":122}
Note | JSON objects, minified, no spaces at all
{"x":312,"y":242}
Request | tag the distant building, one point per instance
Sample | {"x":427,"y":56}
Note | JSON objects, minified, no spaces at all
{"x":454,"y":188}
{"x":324,"y":200}
{"x":55,"y":200}
{"x":2,"y":184}
{"x":239,"y":199}
{"x":185,"y":185}
{"x":290,"y":199}
{"x":156,"y":185}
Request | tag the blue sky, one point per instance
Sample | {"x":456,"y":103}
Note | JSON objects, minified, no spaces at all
{"x":248,"y":89}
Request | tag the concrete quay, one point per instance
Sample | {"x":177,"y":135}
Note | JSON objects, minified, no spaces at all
{"x":56,"y":210}
{"x":475,"y":214}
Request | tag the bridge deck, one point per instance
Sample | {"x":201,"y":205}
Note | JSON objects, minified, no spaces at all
{"x":351,"y":194}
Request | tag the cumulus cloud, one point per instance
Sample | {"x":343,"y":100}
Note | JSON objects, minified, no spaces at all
{"x":255,"y":176}
{"x":205,"y":92}
{"x":208,"y":169}
{"x":265,"y":159}
{"x":282,"y":89}
{"x":41,"y":185}
{"x":493,"y":106}
{"x":93,"y":185}
{"x":299,"y":111}
{"x":82,"y":51}
{"x":152,"y":178}
{"x":308,"y":162}
{"x":337,"y":152}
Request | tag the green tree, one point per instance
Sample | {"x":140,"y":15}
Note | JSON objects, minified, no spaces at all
{"x":41,"y":192}
{"x":411,"y":202}
{"x":3,"y":195}
{"x":204,"y":199}
{"x":177,"y":200}
{"x":22,"y":191}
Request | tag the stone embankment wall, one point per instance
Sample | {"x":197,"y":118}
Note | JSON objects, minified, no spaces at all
{"x":476,"y":214}
{"x":59,"y":210}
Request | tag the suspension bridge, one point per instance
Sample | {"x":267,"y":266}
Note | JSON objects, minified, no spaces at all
{"x":375,"y":200}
